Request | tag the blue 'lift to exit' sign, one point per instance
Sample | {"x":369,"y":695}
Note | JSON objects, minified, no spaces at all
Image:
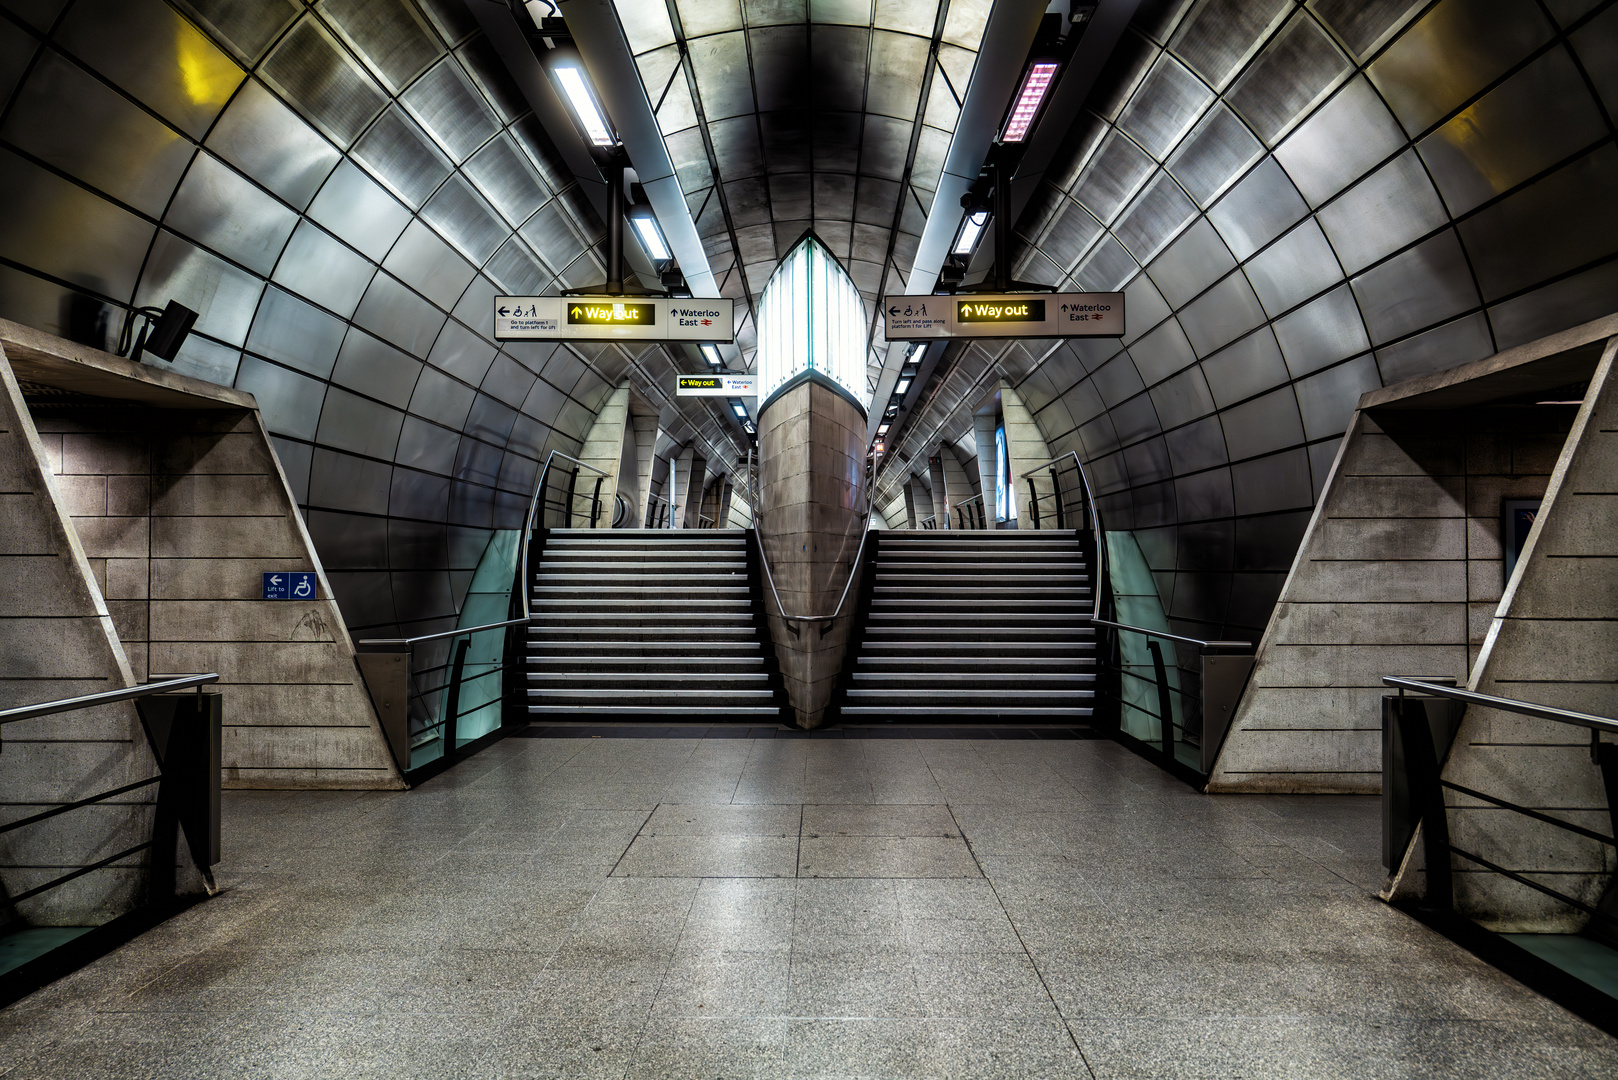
{"x":282,"y":585}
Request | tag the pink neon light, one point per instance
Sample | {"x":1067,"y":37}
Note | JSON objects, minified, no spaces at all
{"x":1034,"y":86}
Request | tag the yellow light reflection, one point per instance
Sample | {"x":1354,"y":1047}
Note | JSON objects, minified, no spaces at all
{"x":208,"y":76}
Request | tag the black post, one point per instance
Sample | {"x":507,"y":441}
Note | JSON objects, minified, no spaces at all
{"x":1002,"y":226}
{"x":544,"y":496}
{"x":184,"y":733}
{"x":615,"y":230}
{"x":572,"y":486}
{"x":1165,"y":705}
{"x":1056,"y":488}
{"x":452,"y":696}
{"x":1033,"y":500}
{"x":595,"y":502}
{"x":1607,"y":757}
{"x":1427,"y":798}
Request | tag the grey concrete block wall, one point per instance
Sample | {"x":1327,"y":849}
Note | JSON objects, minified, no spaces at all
{"x":604,"y":449}
{"x":1401,"y":555}
{"x":1552,"y":641}
{"x":58,"y":640}
{"x":179,"y":513}
{"x":810,"y":523}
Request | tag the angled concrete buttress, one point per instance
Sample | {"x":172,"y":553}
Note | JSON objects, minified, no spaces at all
{"x":811,"y":439}
{"x":174,"y":500}
{"x":1553,"y":641}
{"x":1401,"y":568}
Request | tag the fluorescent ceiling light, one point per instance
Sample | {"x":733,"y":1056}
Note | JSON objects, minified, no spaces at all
{"x":904,"y":384}
{"x":739,"y":409}
{"x":1035,"y":84}
{"x":883,"y":430}
{"x":584,"y":105}
{"x":651,"y":237}
{"x":710,"y":353}
{"x":971,"y":229}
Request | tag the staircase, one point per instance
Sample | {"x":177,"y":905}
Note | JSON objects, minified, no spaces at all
{"x":648,"y":624}
{"x":975,"y":626}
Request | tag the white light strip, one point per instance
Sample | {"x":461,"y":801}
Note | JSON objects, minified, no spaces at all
{"x":584,"y":106}
{"x":1034,"y":85}
{"x":970,"y":231}
{"x":710,"y":353}
{"x":651,"y":238}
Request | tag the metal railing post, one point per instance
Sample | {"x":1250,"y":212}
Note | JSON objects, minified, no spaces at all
{"x":595,"y":502}
{"x":452,"y":696}
{"x":572,"y":488}
{"x":1033,"y":500}
{"x":1165,"y":706}
{"x":1056,"y":488}
{"x":1421,"y":761}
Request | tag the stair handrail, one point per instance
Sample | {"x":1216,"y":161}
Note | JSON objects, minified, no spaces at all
{"x":1173,"y":637}
{"x":859,"y":556}
{"x":533,"y":513}
{"x":1096,"y":530}
{"x":106,"y":697}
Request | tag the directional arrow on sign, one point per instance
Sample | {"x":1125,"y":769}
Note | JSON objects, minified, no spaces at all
{"x":502,"y":311}
{"x":275,"y":579}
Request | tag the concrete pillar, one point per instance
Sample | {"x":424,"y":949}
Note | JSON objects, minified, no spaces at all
{"x":935,"y":477}
{"x":911,"y":521}
{"x":695,"y":483}
{"x":726,"y":490}
{"x":604,"y":449}
{"x":812,"y":496}
{"x":983,"y":425}
{"x":678,"y":490}
{"x":1025,"y":448}
{"x":956,"y":485}
{"x":646,"y":433}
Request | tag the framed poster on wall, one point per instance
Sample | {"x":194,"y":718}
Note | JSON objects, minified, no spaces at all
{"x":1516,"y":518}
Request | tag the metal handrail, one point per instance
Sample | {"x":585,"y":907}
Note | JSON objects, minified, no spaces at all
{"x":969,"y":499}
{"x":1173,"y":637}
{"x":447,"y":633}
{"x":533,"y":510}
{"x":1095,"y":528}
{"x":769,"y":577}
{"x":1523,"y":708}
{"x":89,"y":701}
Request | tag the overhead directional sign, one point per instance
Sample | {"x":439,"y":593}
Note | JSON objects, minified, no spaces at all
{"x":717,"y":386}
{"x":612,"y":318}
{"x":1003,"y":315}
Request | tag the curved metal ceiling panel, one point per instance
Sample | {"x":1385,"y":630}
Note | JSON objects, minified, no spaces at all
{"x":1302,"y":201}
{"x":339,"y":188}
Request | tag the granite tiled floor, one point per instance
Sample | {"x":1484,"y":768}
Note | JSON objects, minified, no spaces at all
{"x":709,"y":909}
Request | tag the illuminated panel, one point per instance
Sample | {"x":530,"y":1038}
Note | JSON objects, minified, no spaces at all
{"x":598,"y":314}
{"x":811,"y":318}
{"x":1000,"y":311}
{"x":1034,"y":86}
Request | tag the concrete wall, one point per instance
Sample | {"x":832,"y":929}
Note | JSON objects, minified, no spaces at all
{"x":1400,"y":570}
{"x":604,"y":449}
{"x":58,"y":641}
{"x":812,"y":497}
{"x":1553,"y":641}
{"x":179,"y":514}
{"x":175,"y":497}
{"x":1025,"y":450}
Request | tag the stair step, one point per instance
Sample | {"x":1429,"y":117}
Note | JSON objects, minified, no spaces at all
{"x":1078,"y":711}
{"x":769,"y":711}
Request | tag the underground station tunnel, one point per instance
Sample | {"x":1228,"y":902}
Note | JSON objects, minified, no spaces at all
{"x":808,"y":538}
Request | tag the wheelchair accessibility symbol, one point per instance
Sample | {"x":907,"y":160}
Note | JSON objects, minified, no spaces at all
{"x":289,"y":586}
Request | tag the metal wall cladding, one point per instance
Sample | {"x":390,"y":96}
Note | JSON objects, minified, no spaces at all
{"x":1304,"y":202}
{"x":336,"y":136}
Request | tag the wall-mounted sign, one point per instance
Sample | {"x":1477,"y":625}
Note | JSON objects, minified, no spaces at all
{"x":612,"y":318}
{"x":717,"y":386}
{"x":981,"y":315}
{"x":298,"y":585}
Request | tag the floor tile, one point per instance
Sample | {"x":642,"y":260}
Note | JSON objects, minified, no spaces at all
{"x":886,"y":857}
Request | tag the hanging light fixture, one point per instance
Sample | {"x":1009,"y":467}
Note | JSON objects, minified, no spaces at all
{"x":1036,"y":83}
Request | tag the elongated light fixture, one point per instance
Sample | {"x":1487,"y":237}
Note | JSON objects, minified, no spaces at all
{"x":589,"y":114}
{"x":1036,"y":82}
{"x":651,"y":237}
{"x":971,"y":230}
{"x":710,"y":353}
